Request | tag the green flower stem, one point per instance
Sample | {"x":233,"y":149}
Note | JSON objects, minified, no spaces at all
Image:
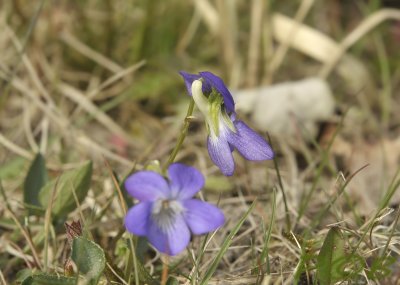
{"x":182,"y":136}
{"x":287,"y":212}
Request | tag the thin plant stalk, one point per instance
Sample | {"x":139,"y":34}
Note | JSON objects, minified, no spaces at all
{"x":224,"y":246}
{"x":323,"y":164}
{"x":392,"y":189}
{"x":21,"y":52}
{"x":165,"y":269}
{"x":287,"y":217}
{"x":47,"y":224}
{"x":182,"y":136}
{"x":322,"y":213}
{"x":267,"y":238}
{"x":386,"y":94}
{"x":3,"y":280}
{"x":23,"y":230}
{"x":391,"y":233}
{"x":124,"y":209}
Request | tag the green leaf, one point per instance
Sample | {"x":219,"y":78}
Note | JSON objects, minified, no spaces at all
{"x":44,"y":279}
{"x":172,"y":281}
{"x":12,"y":168}
{"x":332,"y":258}
{"x":380,"y":267}
{"x":77,"y":180}
{"x":34,"y":181}
{"x":23,"y":274}
{"x":89,"y":258}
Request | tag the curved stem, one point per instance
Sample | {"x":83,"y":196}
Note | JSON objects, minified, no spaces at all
{"x":182,"y":136}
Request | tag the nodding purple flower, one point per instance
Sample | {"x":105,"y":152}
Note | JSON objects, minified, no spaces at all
{"x":167,"y":212}
{"x":225,"y":131}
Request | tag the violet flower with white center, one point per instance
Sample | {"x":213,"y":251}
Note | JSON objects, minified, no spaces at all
{"x":225,"y":131}
{"x":167,"y":212}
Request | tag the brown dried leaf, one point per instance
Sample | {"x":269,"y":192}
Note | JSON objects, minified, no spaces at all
{"x":73,"y":230}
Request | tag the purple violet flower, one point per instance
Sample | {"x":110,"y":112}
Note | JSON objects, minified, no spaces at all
{"x":167,"y":212}
{"x":225,"y":132}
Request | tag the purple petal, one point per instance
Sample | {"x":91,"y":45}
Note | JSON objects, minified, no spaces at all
{"x":147,"y":186}
{"x":250,"y":144}
{"x":172,"y":241}
{"x":185,"y":181}
{"x":221,"y":154}
{"x":219,"y":85}
{"x":202,"y":217}
{"x":189,"y":78}
{"x":137,"y":218}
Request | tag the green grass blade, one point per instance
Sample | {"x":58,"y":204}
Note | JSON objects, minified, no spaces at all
{"x":265,"y":251}
{"x":331,"y":258}
{"x":278,"y":174}
{"x":210,"y":271}
{"x":78,"y":179}
{"x":34,"y":181}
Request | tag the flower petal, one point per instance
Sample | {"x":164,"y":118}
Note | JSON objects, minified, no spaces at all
{"x":250,"y":144}
{"x":147,"y":186}
{"x":137,"y":218}
{"x":221,"y":154}
{"x":189,"y":78}
{"x":174,"y":240}
{"x":185,"y":181}
{"x":202,"y":217}
{"x":219,"y":85}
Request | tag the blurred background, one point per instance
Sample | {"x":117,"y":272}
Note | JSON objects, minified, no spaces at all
{"x":98,"y":79}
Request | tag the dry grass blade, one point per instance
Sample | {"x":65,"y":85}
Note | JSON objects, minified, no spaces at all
{"x":116,"y":77}
{"x":392,"y":232}
{"x":228,"y":36}
{"x":362,"y":29}
{"x":75,"y":43}
{"x":82,"y":101}
{"x":257,"y":12}
{"x":280,"y":54}
{"x":116,"y":274}
{"x":93,"y":146}
{"x":225,"y":246}
{"x":3,"y":281}
{"x":209,"y":14}
{"x":31,"y":70}
{"x":63,"y":125}
{"x":24,"y":232}
{"x":238,"y":280}
{"x":189,"y":33}
{"x":125,"y":210}
{"x":322,"y":48}
{"x":44,"y":135}
{"x":15,"y":148}
{"x":27,"y":117}
{"x":51,"y":112}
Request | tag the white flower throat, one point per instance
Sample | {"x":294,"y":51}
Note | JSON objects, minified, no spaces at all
{"x":216,"y":117}
{"x":164,"y":213}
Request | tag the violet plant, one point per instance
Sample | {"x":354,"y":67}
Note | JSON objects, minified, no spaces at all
{"x":225,"y":131}
{"x":167,"y":212}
